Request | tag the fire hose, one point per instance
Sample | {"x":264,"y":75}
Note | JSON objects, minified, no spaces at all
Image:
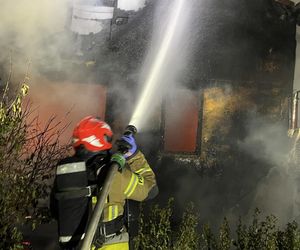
{"x":101,"y":198}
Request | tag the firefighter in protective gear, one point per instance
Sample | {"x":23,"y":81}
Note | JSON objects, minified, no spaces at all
{"x":79,"y":178}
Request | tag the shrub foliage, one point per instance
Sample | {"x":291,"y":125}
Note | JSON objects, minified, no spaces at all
{"x":156,"y":232}
{"x":28,"y":154}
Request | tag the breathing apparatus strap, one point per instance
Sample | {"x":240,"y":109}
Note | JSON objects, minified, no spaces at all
{"x":73,"y":193}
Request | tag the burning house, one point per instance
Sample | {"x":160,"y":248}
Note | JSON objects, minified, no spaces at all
{"x":240,"y":70}
{"x":217,"y":121}
{"x":239,"y":74}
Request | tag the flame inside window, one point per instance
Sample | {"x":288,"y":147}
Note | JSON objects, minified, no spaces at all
{"x":181,"y":121}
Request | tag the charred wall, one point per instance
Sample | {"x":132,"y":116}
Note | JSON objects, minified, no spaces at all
{"x":245,"y":41}
{"x":240,"y":41}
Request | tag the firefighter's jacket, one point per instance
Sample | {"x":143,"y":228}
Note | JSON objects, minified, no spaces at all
{"x":136,"y":182}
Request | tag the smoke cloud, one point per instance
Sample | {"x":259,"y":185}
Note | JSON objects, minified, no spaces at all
{"x":276,"y":193}
{"x":263,"y":177}
{"x":270,"y":138}
{"x":32,"y":29}
{"x":39,"y":32}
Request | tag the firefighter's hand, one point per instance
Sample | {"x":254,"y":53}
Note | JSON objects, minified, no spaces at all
{"x":127,"y":146}
{"x":119,"y":159}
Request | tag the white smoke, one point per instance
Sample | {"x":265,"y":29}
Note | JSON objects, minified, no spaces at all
{"x":32,"y":29}
{"x":267,"y":141}
{"x":276,"y":193}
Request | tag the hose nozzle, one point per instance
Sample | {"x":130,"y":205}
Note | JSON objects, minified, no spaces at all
{"x":130,"y":130}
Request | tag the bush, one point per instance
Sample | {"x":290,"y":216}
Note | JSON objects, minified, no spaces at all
{"x":28,"y":155}
{"x":187,"y":236}
{"x":155,"y":232}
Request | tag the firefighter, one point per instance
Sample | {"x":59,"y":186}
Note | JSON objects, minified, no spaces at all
{"x":79,"y":178}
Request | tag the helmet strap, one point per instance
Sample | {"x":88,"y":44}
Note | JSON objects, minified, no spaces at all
{"x":86,"y":155}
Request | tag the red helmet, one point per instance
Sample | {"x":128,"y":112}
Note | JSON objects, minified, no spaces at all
{"x":94,"y":134}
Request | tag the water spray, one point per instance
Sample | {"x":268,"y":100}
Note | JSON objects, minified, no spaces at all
{"x":153,"y":79}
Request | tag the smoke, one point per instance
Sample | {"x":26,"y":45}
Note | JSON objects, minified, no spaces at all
{"x":276,"y":192}
{"x":258,"y":175}
{"x":32,"y":29}
{"x":267,"y":141}
{"x":39,"y":32}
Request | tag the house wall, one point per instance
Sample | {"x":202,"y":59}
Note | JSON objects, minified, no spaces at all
{"x":68,"y":102}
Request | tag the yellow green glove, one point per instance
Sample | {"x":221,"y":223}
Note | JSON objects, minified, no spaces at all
{"x":119,"y":159}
